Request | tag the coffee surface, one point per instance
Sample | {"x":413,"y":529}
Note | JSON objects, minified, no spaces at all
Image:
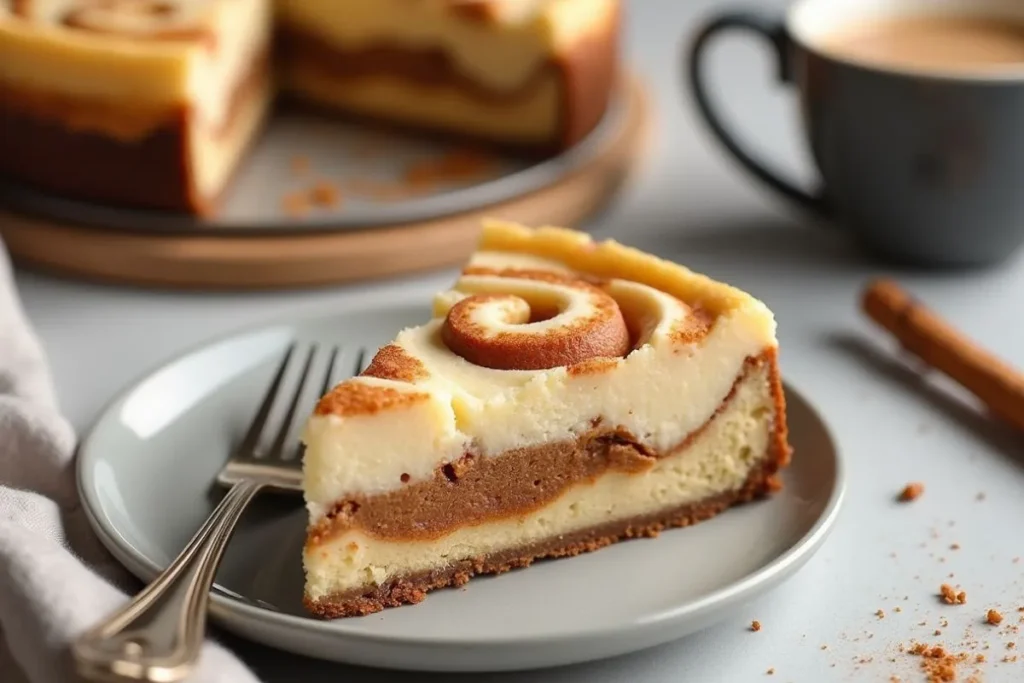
{"x":933,"y":42}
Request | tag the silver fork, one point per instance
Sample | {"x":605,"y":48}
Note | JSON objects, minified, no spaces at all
{"x":158,"y":636}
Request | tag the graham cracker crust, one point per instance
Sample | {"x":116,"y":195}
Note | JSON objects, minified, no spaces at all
{"x":414,"y":588}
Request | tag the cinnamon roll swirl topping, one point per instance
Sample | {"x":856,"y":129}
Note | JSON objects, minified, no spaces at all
{"x":534,"y":321}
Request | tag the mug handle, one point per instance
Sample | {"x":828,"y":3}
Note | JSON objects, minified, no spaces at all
{"x":774,"y":31}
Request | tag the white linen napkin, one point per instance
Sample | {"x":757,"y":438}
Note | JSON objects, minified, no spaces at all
{"x":56,"y":579}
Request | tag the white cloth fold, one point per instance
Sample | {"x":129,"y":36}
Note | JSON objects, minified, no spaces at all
{"x":56,"y":579}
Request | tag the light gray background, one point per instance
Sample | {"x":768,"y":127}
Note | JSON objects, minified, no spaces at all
{"x":689,"y":203}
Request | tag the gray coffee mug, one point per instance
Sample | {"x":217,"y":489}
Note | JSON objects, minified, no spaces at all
{"x":927,"y":169}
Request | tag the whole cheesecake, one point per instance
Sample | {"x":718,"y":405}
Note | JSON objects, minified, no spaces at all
{"x":153,"y":103}
{"x":565,"y":395}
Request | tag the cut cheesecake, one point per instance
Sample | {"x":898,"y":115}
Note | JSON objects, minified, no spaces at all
{"x":133,"y":102}
{"x":153,"y":103}
{"x":566,"y":394}
{"x":528,"y":74}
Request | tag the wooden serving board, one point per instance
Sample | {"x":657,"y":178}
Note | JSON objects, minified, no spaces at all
{"x":254,"y":259}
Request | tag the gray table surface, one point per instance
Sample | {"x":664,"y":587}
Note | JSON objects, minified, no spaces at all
{"x":692,"y":205}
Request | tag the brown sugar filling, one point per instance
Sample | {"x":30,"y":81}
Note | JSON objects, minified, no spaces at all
{"x":476,"y":490}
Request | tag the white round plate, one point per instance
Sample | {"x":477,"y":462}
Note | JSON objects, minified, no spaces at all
{"x":146,"y":472}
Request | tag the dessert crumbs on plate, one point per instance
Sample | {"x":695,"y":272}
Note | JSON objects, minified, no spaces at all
{"x":755,"y":625}
{"x":954,"y":546}
{"x":770,"y":671}
{"x":911,"y":492}
{"x":880,"y":614}
{"x":993,"y":617}
{"x":325,"y":194}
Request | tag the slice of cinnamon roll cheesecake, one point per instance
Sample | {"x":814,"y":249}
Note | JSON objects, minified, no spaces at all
{"x":565,"y":395}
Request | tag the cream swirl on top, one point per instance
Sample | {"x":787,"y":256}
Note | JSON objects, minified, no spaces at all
{"x":435,"y":401}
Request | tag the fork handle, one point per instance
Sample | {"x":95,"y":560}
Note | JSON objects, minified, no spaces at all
{"x":158,"y":636}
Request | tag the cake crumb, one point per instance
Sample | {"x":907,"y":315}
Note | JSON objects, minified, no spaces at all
{"x":951,"y":596}
{"x":325,"y":194}
{"x":880,"y":614}
{"x":955,"y":546}
{"x":771,"y":671}
{"x":994,"y":617}
{"x":755,"y":625}
{"x":897,"y":608}
{"x":824,"y":647}
{"x":979,"y":658}
{"x":937,"y":632}
{"x":1011,"y":645}
{"x":980,"y":496}
{"x":911,"y":492}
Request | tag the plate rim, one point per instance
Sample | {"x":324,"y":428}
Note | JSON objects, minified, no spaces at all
{"x":226,"y":609}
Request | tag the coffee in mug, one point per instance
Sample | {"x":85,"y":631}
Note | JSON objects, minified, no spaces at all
{"x":913,"y":112}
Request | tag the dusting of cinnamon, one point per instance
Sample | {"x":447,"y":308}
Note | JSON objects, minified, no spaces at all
{"x":356,"y":398}
{"x":911,"y":492}
{"x":394,"y":362}
{"x":459,"y":165}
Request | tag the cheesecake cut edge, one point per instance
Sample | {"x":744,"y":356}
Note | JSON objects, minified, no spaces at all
{"x":757,"y":480}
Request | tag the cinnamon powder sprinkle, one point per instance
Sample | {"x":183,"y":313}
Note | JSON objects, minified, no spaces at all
{"x":755,"y":625}
{"x":911,"y":492}
{"x":994,"y":617}
{"x":950,"y":596}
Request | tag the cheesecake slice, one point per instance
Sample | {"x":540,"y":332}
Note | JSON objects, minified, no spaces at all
{"x":147,"y":103}
{"x":565,"y":395}
{"x":526,"y":74}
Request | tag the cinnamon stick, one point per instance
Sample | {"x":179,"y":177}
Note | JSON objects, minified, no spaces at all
{"x":998,"y":385}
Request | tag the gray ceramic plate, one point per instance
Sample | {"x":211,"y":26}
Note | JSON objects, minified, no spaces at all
{"x":340,"y":152}
{"x":145,"y":474}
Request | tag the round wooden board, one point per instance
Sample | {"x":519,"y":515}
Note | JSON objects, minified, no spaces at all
{"x":253,"y":261}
